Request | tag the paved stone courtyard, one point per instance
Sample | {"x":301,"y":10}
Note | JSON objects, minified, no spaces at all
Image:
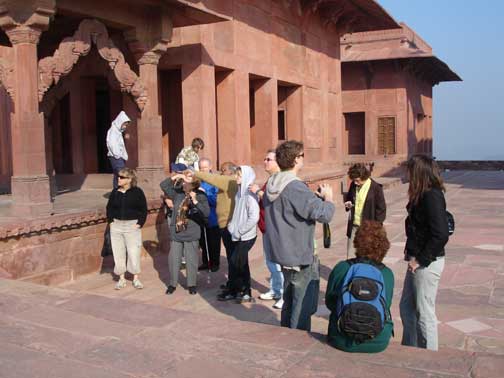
{"x":85,"y":328}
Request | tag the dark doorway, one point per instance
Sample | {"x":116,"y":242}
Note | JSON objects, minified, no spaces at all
{"x":173,"y":122}
{"x":62,"y":136}
{"x":355,"y":133}
{"x":281,"y":125}
{"x":103,"y":123}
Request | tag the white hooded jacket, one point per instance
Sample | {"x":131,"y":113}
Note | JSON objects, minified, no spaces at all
{"x":115,"y":140}
{"x":243,"y":224}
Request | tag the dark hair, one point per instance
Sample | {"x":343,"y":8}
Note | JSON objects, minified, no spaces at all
{"x":358,"y":171}
{"x":423,"y":175}
{"x":197,"y":143}
{"x":287,"y":152}
{"x":371,"y":241}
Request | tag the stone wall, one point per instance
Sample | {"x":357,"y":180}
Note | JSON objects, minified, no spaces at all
{"x":472,"y":165}
{"x":61,"y":248}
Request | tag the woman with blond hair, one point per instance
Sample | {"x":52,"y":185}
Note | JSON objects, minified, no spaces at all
{"x":126,"y":214}
{"x":427,"y":235}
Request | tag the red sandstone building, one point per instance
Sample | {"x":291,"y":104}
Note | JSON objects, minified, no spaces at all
{"x":241,"y":74}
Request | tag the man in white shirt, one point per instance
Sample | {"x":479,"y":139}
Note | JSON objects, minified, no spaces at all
{"x":117,"y":153}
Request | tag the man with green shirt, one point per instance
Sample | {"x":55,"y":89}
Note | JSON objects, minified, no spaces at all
{"x":364,"y":200}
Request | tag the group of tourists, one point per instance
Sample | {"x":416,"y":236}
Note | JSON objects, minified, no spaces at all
{"x":205,"y":208}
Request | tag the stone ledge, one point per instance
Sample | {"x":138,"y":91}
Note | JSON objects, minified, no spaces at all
{"x":471,"y":165}
{"x":60,"y":222}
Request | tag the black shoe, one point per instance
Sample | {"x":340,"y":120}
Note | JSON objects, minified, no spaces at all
{"x":170,"y":290}
{"x":202,"y":267}
{"x":214,"y":269}
{"x":226,"y":296}
{"x":244,"y":298}
{"x":223,"y":286}
{"x":192,"y":290}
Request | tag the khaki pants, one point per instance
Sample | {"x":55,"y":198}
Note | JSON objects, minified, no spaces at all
{"x":126,"y":239}
{"x":350,"y":245}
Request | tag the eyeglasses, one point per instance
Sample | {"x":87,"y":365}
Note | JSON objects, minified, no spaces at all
{"x":301,"y":155}
{"x":123,"y":177}
{"x":269,"y":159}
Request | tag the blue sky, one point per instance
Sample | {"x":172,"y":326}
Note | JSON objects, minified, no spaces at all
{"x":468,"y":35}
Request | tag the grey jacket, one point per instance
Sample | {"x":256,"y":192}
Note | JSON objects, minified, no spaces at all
{"x":200,"y":212}
{"x":291,"y":210}
{"x":243,"y":224}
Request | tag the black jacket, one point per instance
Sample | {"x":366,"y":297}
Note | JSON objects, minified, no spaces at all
{"x":127,"y":206}
{"x":375,"y":207}
{"x":427,"y":228}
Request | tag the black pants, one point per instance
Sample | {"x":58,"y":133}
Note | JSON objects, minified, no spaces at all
{"x":239,"y":272}
{"x":213,"y":241}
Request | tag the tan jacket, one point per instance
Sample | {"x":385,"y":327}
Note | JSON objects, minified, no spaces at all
{"x":225,"y":196}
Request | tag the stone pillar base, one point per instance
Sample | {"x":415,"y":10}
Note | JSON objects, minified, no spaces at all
{"x":31,"y":195}
{"x":149,"y":179}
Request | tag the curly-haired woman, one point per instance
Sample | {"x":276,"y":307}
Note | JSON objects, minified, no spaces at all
{"x":371,"y":246}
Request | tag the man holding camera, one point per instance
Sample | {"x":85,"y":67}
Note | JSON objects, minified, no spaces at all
{"x":291,"y":211}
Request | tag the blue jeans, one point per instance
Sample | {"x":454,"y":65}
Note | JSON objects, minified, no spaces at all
{"x":301,"y":291}
{"x":117,"y":165}
{"x":276,"y":279}
{"x":418,"y":306}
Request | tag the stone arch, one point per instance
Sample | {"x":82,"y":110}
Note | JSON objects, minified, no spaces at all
{"x":52,"y":68}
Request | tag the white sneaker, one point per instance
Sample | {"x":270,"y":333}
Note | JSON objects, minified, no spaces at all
{"x":269,"y":296}
{"x":120,"y":284}
{"x":137,"y":284}
{"x":279,"y":304}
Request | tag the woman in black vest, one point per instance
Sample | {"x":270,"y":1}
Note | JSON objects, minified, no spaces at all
{"x":427,"y":235}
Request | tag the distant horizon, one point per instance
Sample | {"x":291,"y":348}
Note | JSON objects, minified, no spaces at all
{"x":468,"y":116}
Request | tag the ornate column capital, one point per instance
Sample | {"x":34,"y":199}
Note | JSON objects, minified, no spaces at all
{"x":23,"y":34}
{"x":150,"y":57}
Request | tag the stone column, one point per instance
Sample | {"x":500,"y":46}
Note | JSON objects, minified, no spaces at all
{"x":149,"y":130}
{"x":30,"y":182}
{"x":264,"y":132}
{"x":198,"y":107}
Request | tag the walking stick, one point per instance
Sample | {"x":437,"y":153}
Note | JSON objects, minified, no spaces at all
{"x":206,"y":245}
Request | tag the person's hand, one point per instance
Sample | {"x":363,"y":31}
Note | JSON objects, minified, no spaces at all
{"x":193,"y":197}
{"x":413,"y":265}
{"x":348,"y":205}
{"x":175,"y":176}
{"x":326,"y":192}
{"x":254,"y":188}
{"x":168,"y":202}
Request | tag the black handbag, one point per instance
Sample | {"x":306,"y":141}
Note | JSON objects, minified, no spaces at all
{"x":451,"y":222}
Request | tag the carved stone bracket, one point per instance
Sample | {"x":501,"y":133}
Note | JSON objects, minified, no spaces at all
{"x":52,"y":68}
{"x":7,"y":76}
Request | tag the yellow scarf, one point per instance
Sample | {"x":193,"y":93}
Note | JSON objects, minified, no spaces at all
{"x":360,"y":199}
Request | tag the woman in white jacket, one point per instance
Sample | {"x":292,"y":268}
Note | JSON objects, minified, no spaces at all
{"x":116,"y":150}
{"x":243,"y":230}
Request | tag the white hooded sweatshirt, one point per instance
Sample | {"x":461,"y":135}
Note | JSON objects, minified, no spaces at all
{"x":115,"y":141}
{"x":243,"y":224}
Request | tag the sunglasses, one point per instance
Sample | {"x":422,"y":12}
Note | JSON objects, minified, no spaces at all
{"x":269,"y":159}
{"x":301,"y":155}
{"x":123,"y":177}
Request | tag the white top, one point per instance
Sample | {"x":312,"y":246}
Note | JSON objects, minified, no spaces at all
{"x":115,"y":140}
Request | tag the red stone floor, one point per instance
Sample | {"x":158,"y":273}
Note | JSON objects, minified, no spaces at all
{"x":85,"y":328}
